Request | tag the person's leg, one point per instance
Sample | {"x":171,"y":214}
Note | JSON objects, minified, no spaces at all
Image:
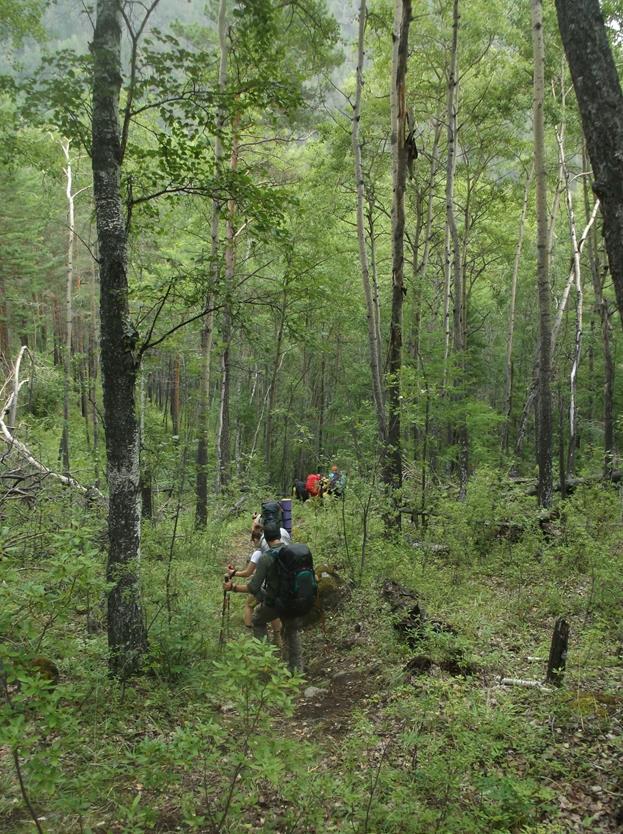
{"x":292,"y":640}
{"x":262,"y":615}
{"x":277,"y":639}
{"x":247,"y":614}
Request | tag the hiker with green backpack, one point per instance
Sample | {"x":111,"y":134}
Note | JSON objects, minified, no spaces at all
{"x":285,"y":586}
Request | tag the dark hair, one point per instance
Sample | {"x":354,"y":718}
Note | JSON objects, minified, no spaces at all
{"x":271,"y":532}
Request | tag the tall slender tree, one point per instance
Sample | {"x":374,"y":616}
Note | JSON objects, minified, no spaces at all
{"x":207,"y":326}
{"x":544,"y":422}
{"x":392,"y":470}
{"x":374,"y":346}
{"x":127,"y":638}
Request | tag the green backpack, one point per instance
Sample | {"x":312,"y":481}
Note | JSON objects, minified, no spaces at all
{"x":295,"y":589}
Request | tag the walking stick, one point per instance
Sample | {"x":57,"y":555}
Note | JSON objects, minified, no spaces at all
{"x":224,"y":635}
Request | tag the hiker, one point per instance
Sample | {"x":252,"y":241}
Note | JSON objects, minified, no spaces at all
{"x":299,"y":491}
{"x":257,"y":527}
{"x":251,"y":601}
{"x":337,"y":482}
{"x":267,"y":585}
{"x":312,"y":485}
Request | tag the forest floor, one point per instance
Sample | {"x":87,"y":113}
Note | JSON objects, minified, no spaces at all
{"x":380,"y":736}
{"x":352,"y":675}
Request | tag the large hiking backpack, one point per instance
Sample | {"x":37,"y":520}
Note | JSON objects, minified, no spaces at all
{"x":271,"y":514}
{"x":295,"y":589}
{"x":312,"y":485}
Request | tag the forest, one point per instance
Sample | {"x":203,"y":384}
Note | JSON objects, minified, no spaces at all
{"x":310,"y":487}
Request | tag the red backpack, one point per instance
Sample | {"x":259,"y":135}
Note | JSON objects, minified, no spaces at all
{"x":312,"y":484}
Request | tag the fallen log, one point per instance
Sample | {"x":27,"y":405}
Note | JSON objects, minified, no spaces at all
{"x":24,"y":452}
{"x":527,"y":684}
{"x":571,"y":484}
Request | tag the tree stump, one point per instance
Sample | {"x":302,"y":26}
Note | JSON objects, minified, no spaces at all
{"x":558,"y":653}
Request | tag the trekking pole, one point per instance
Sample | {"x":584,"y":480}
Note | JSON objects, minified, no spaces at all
{"x":224,"y":635}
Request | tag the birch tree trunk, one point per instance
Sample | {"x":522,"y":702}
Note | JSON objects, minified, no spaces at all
{"x":127,"y":637}
{"x":392,"y":469}
{"x":374,"y":346}
{"x":600,"y":100}
{"x":508,"y":366}
{"x":544,"y":422}
{"x":579,"y":303}
{"x":69,"y":280}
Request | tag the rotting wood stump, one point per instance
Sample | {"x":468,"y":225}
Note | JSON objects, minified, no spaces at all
{"x":412,"y":628}
{"x":558,"y":653}
{"x":414,"y":621}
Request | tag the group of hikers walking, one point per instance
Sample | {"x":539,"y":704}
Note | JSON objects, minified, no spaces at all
{"x":318,"y":484}
{"x":280,"y":583}
{"x":281,"y":586}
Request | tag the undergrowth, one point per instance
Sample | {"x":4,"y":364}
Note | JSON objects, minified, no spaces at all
{"x":214,"y":739}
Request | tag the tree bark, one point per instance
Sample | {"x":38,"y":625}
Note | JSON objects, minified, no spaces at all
{"x":508,"y":366}
{"x":207,"y":328}
{"x":454,"y":264}
{"x":600,"y":100}
{"x":392,"y":469}
{"x":272,"y":384}
{"x":602,"y":309}
{"x":175,"y":394}
{"x":373,"y":329}
{"x":127,"y":637}
{"x":224,"y":452}
{"x":4,"y":326}
{"x":69,"y":280}
{"x":579,"y":305}
{"x":544,"y":422}
{"x":558,"y":653}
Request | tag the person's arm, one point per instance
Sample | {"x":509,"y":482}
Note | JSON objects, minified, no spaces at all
{"x":254,"y":586}
{"x":248,"y":571}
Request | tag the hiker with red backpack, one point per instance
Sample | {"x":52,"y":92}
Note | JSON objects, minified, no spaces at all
{"x":313,"y":485}
{"x":285,"y":586}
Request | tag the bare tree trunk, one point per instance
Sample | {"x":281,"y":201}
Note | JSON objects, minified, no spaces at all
{"x":562,"y":306}
{"x":5,"y":346}
{"x":453,"y":253}
{"x":600,"y":100}
{"x":174,"y":370}
{"x":93,"y":365}
{"x":224,"y":454}
{"x":376,"y":297}
{"x":207,"y":327}
{"x":321,"y":409}
{"x":373,"y":328}
{"x":392,"y":466}
{"x":447,"y":301}
{"x":420,"y":265}
{"x":579,"y":301}
{"x":544,"y":423}
{"x":601,"y":306}
{"x":69,"y":280}
{"x":127,"y":637}
{"x":508,"y":367}
{"x":272,"y":384}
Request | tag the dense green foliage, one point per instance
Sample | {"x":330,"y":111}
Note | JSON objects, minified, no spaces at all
{"x":403,"y":753}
